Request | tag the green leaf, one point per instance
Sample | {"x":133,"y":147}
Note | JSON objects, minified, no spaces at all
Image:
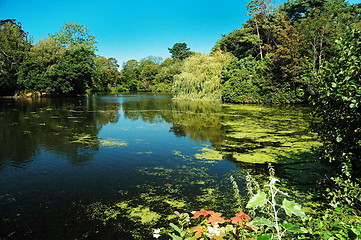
{"x":257,"y":200}
{"x":290,"y":227}
{"x":175,"y":227}
{"x":263,"y":221}
{"x":175,"y":237}
{"x":291,"y":207}
{"x":339,"y":139}
{"x":266,"y":236}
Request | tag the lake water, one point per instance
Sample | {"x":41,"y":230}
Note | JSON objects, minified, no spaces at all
{"x":118,"y":166}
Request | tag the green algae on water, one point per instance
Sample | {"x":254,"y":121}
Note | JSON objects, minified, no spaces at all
{"x":143,"y":214}
{"x":110,"y":142}
{"x":209,"y":154}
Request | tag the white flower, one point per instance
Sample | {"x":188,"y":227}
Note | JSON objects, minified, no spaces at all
{"x":156,"y":233}
{"x":214,"y":231}
{"x":273,"y":181}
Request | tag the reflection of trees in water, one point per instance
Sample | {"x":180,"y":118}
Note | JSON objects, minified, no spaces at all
{"x":52,"y":124}
{"x":148,"y":110}
{"x":198,"y":120}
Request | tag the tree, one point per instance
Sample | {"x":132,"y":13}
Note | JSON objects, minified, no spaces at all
{"x":180,"y":51}
{"x":259,"y":10}
{"x":130,"y":75}
{"x":285,"y":64}
{"x":200,"y":77}
{"x":240,"y":43}
{"x":148,"y":69}
{"x":242,"y":81}
{"x":64,"y":63}
{"x":320,"y":23}
{"x":74,"y":72}
{"x":106,"y":73}
{"x":36,"y":70}
{"x":165,"y":77}
{"x":14,"y":45}
{"x":73,"y":34}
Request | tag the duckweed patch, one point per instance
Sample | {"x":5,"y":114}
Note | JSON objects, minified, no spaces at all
{"x":259,"y":134}
{"x":179,"y":154}
{"x":85,"y":139}
{"x":209,"y":154}
{"x":156,"y":171}
{"x":144,"y":215}
{"x":111,"y":142}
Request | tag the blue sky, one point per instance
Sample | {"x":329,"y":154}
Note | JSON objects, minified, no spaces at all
{"x":133,"y":29}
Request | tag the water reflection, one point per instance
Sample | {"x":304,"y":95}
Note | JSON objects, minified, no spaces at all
{"x":199,"y":121}
{"x":243,"y":133}
{"x":54,"y":125}
{"x":70,"y":127}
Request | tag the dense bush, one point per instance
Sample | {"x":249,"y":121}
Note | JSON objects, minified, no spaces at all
{"x":338,"y":105}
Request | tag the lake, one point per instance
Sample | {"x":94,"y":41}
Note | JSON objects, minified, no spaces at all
{"x":118,"y":166}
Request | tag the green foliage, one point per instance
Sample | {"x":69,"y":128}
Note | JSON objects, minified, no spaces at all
{"x":64,"y":63}
{"x":338,"y":105}
{"x":288,"y":45}
{"x":106,"y":74}
{"x":14,"y":46}
{"x":129,"y":75}
{"x":200,"y":77}
{"x":73,"y":34}
{"x":150,"y":74}
{"x":270,"y":220}
{"x":241,"y":81}
{"x":180,"y":51}
{"x":240,"y":43}
{"x":73,"y":74}
{"x":338,"y":223}
{"x":50,"y":68}
{"x":38,"y":66}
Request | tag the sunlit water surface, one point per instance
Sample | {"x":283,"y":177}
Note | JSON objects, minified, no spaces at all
{"x":65,"y":162}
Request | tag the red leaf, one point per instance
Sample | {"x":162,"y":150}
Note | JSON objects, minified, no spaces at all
{"x":199,"y":231}
{"x":240,"y":217}
{"x":216,"y":218}
{"x":202,"y":212}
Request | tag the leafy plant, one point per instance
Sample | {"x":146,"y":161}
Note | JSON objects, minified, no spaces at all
{"x":338,"y":105}
{"x":269,"y":223}
{"x":338,"y":223}
{"x":267,"y":201}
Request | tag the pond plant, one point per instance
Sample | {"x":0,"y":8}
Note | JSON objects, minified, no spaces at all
{"x":272,"y":215}
{"x":273,"y":218}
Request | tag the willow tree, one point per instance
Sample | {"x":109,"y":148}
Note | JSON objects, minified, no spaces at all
{"x":200,"y":77}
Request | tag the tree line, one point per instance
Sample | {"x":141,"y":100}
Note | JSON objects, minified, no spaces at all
{"x":65,"y":62}
{"x":277,"y":56}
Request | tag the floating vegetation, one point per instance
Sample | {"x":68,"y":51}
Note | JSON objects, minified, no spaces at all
{"x":140,"y":213}
{"x":143,"y":214}
{"x":209,"y":154}
{"x":179,"y":154}
{"x":157,"y":171}
{"x":110,"y":142}
{"x":259,"y":134}
{"x":84,"y":139}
